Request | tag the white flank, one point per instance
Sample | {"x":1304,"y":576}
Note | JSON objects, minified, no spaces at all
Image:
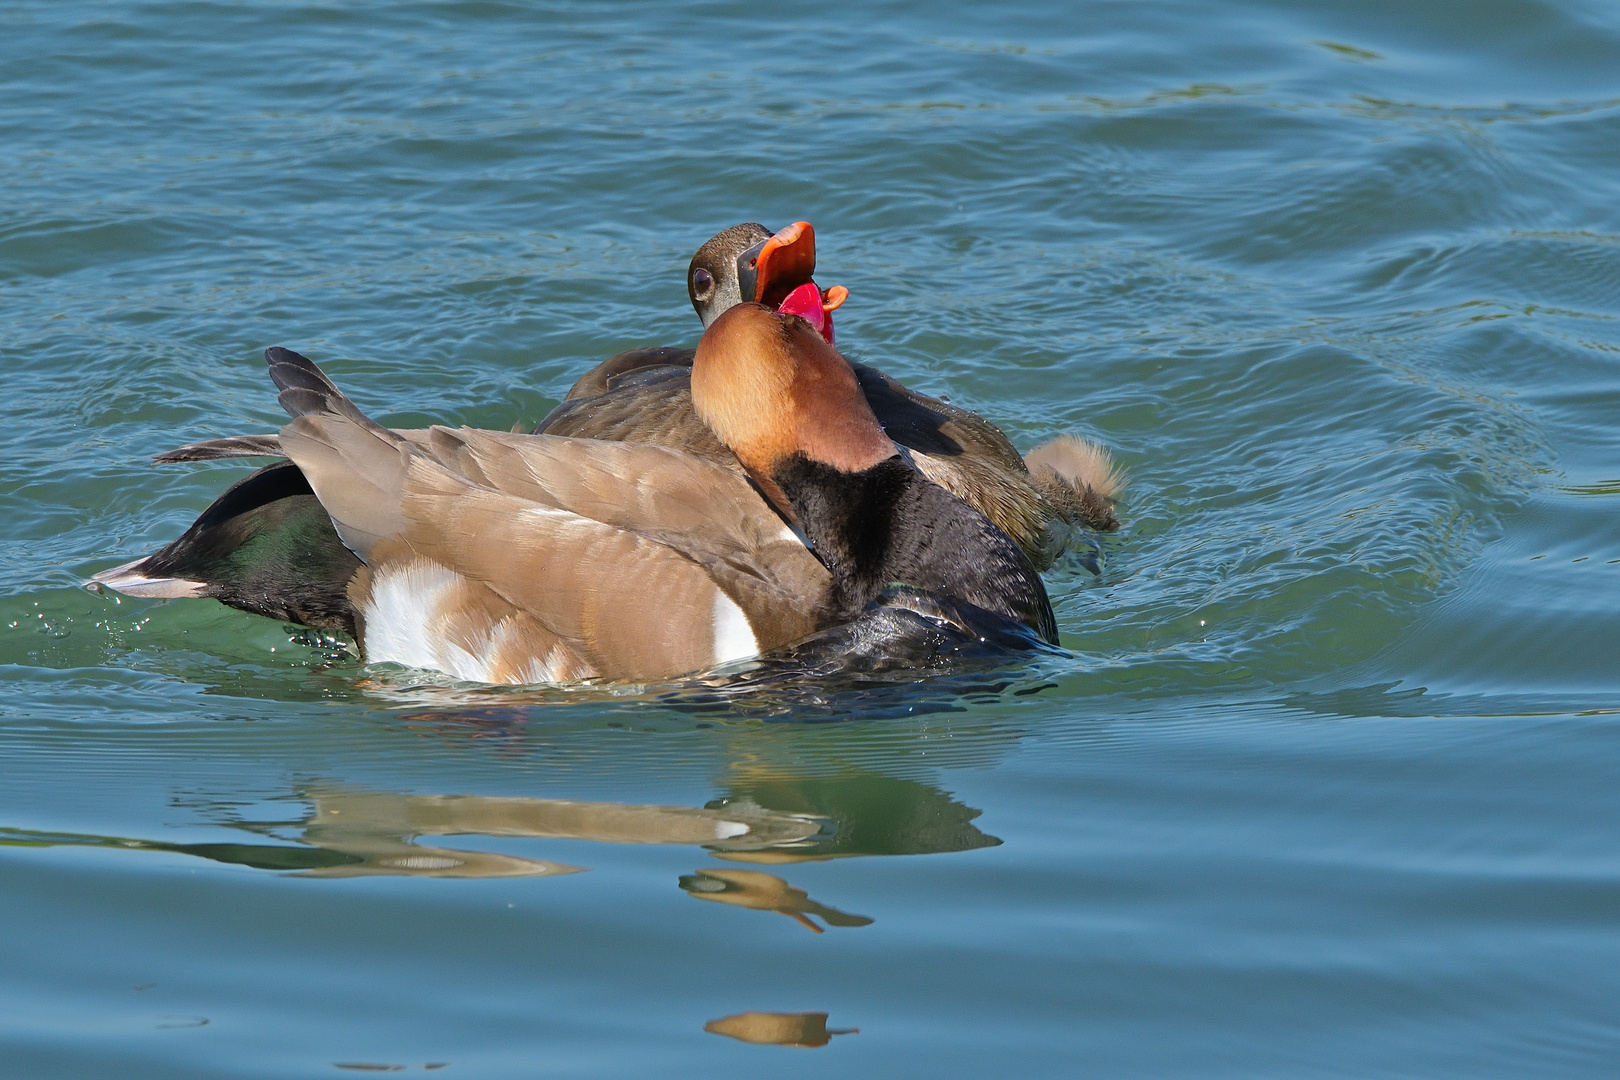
{"x":554,"y":667}
{"x":537,"y":671}
{"x":725,"y":830}
{"x":733,"y":637}
{"x":403,"y":619}
{"x":400,"y":621}
{"x":496,"y":643}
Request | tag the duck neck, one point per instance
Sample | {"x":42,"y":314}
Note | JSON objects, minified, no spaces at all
{"x":889,"y":525}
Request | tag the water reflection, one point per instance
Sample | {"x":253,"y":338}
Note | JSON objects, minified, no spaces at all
{"x":365,"y":821}
{"x":392,"y":856}
{"x":865,"y":813}
{"x":765,"y":892}
{"x":780,"y":1029}
{"x":764,"y":817}
{"x":356,"y":833}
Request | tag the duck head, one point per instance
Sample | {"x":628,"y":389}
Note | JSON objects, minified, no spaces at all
{"x":775,"y":391}
{"x":748,"y":263}
{"x":773,"y":388}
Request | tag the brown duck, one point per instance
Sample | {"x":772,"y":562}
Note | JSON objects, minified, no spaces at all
{"x":506,"y":558}
{"x":644,"y":396}
{"x":267,"y":546}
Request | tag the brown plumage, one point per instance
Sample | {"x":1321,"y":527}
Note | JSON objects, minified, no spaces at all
{"x":513,"y":558}
{"x":498,"y":557}
{"x":433,"y":509}
{"x":645,"y":396}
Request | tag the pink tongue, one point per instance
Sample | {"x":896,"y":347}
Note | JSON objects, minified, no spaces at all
{"x":805,"y":302}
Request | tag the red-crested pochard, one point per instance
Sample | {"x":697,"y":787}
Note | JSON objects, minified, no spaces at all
{"x":506,"y":558}
{"x":267,"y":546}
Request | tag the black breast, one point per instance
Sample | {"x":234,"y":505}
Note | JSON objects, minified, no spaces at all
{"x":890,"y":526}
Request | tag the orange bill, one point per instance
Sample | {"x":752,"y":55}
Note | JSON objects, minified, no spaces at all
{"x":787,"y":261}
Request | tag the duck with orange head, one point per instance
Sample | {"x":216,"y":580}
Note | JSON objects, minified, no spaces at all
{"x":505,"y":558}
{"x":778,"y":394}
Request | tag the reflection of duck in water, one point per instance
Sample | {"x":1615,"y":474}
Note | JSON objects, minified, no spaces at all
{"x":352,"y":833}
{"x":381,"y":826}
{"x":363,"y":833}
{"x":765,"y":892}
{"x":774,"y":820}
{"x":778,"y":1029}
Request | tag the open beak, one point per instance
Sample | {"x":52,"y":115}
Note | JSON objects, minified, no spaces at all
{"x":777,"y":273}
{"x":770,"y":270}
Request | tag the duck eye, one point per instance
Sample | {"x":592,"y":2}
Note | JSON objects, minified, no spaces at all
{"x":702,"y":284}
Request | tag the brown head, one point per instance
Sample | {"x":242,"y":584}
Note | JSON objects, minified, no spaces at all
{"x":770,"y":386}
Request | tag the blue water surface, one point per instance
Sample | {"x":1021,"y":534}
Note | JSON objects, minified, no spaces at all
{"x":1327,"y":782}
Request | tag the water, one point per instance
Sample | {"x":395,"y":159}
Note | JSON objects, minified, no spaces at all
{"x":1325,"y":786}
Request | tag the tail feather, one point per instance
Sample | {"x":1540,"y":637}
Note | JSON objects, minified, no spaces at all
{"x":236,"y":446}
{"x":1080,"y":479}
{"x":306,"y":391}
{"x":131,"y":579}
{"x":356,"y":466}
{"x":266,"y":545}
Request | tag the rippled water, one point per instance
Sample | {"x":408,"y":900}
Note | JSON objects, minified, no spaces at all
{"x":1325,"y":786}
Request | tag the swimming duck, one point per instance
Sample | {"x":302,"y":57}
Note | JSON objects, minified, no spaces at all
{"x":506,"y":558}
{"x":267,"y":546}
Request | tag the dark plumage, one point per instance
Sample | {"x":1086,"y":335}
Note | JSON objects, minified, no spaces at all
{"x":266,"y":546}
{"x":889,"y":526}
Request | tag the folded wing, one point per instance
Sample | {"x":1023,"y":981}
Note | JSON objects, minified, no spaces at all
{"x":510,"y":558}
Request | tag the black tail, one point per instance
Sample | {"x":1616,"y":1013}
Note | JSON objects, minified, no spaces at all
{"x":265,"y":546}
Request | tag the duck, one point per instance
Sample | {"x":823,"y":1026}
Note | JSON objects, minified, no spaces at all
{"x":499,"y":557}
{"x":267,"y":547}
{"x":644,"y":395}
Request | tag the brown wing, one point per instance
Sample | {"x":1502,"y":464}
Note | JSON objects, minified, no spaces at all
{"x":645,"y":397}
{"x":596,"y":380}
{"x":709,"y":515}
{"x":488,"y":557}
{"x":620,"y":605}
{"x":649,"y":405}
